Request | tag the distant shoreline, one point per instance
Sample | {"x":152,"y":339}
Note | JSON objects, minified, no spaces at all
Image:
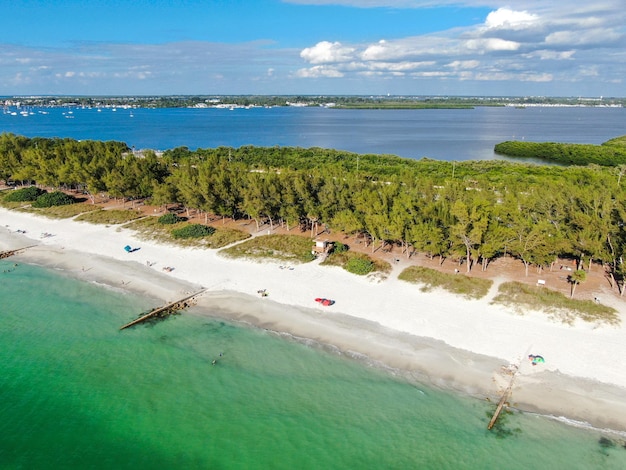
{"x":330,"y":101}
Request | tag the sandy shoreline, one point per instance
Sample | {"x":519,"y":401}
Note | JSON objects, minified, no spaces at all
{"x":435,"y":337}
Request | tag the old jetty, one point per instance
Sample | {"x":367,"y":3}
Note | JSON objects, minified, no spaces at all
{"x":164,"y":310}
{"x":503,"y":399}
{"x":6,"y":254}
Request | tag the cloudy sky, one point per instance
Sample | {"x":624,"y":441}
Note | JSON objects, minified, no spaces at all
{"x":408,"y":47}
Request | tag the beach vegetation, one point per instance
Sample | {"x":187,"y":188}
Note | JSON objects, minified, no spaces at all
{"x":170,"y":218}
{"x":55,"y":198}
{"x":359,"y":265}
{"x":523,"y":296}
{"x":63,"y":212}
{"x":149,"y":228}
{"x":13,"y":205}
{"x":109,"y":216}
{"x":356,"y":263}
{"x":460,"y":284}
{"x":28,"y":194}
{"x":339,"y":247}
{"x":288,"y":248}
{"x":193,"y":231}
{"x":224,"y":236}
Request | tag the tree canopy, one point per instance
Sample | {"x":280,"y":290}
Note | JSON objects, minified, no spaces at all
{"x":471,"y":211}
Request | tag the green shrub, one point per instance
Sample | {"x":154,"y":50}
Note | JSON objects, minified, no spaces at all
{"x":24,"y":194}
{"x":359,"y":266}
{"x":193,"y":231}
{"x":340,"y":247}
{"x":170,"y":219}
{"x":56,"y":198}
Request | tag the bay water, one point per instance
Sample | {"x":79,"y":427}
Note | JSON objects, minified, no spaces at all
{"x":75,"y":392}
{"x":441,"y":134}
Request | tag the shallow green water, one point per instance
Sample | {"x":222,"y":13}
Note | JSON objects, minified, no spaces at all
{"x":77,"y":393}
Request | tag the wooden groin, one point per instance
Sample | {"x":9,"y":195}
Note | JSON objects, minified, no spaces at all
{"x":503,"y":399}
{"x":6,"y":254}
{"x":171,"y":307}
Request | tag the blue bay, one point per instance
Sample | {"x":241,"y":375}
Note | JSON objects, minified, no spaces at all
{"x":442,"y":134}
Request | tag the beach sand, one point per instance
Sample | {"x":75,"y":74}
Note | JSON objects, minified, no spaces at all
{"x":436,"y":337}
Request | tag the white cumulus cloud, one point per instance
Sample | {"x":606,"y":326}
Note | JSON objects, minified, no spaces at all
{"x":326,"y":52}
{"x":510,"y":19}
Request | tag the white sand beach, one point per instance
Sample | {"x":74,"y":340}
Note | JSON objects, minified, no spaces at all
{"x":435,"y":337}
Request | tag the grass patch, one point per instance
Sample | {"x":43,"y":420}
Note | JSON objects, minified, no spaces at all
{"x":468,"y":287}
{"x":354,"y":262}
{"x":149,"y":228}
{"x":291,"y":248}
{"x":109,"y":217}
{"x":226,"y":236}
{"x":63,"y":212}
{"x":14,"y":205}
{"x":559,"y":306}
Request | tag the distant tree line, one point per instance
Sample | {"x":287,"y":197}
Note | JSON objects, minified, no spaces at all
{"x":472,"y":211}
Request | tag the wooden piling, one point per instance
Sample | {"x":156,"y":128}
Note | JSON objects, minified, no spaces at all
{"x":6,"y":254}
{"x":177,"y":305}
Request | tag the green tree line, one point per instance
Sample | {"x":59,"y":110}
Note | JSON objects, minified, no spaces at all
{"x":611,"y":153}
{"x":90,"y":165}
{"x":472,"y":211}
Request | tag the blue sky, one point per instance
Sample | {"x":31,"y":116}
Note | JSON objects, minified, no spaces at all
{"x":408,"y":47}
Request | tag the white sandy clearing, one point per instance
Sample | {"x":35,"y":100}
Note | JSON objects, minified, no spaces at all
{"x":436,"y":335}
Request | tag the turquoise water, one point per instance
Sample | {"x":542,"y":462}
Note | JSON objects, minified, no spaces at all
{"x":75,"y":392}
